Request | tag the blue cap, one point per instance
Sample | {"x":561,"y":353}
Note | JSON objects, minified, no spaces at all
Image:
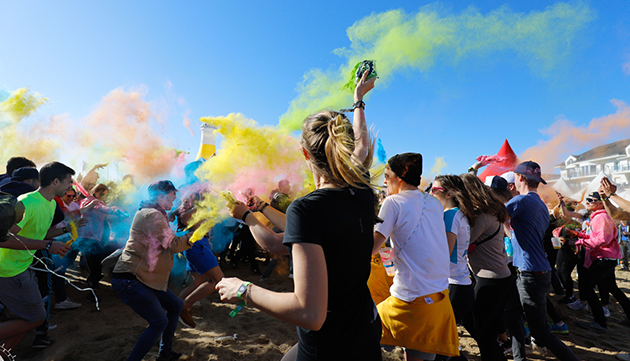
{"x":531,"y":171}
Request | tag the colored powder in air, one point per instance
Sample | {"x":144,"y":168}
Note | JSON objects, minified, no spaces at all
{"x":438,"y":166}
{"x":400,"y":41}
{"x":21,"y":104}
{"x":124,"y":128}
{"x":568,"y":138}
{"x":253,"y":156}
{"x":44,"y":138}
{"x":250,"y":156}
{"x":380,"y":152}
{"x":222,"y":234}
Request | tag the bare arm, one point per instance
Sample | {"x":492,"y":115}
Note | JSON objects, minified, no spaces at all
{"x":451,"y":237}
{"x":23,"y":243}
{"x":616,"y":213}
{"x":361,"y":140}
{"x":276,"y":217}
{"x":379,"y":239}
{"x":265,"y":237}
{"x":306,"y":306}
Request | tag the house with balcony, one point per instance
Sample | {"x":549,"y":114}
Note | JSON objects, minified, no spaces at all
{"x":612,"y":159}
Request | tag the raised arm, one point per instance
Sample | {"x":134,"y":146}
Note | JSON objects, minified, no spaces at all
{"x":361,"y":140}
{"x":608,"y":190}
{"x":564,"y":212}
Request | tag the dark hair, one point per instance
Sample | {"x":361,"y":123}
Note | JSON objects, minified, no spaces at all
{"x":17,"y":163}
{"x":328,"y":139}
{"x":482,"y":199}
{"x":503,"y":195}
{"x":454,"y":186}
{"x":52,"y":171}
{"x":99,"y":188}
{"x":407,"y":166}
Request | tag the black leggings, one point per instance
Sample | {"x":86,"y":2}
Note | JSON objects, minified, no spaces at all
{"x":485,"y":321}
{"x":608,"y":286}
{"x":566,"y":263}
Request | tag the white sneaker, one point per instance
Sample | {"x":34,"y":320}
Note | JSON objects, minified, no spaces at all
{"x":606,"y":311}
{"x":578,"y":305}
{"x":68,"y":304}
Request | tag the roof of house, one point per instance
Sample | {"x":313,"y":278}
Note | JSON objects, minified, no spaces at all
{"x":606,"y":150}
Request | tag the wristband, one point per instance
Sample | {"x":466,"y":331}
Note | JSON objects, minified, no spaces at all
{"x":245,"y":215}
{"x":243,"y":289}
{"x":65,"y":229}
{"x":48,"y":245}
{"x":612,"y":194}
{"x":359,"y":104}
{"x":263,"y":207}
{"x":237,"y":309}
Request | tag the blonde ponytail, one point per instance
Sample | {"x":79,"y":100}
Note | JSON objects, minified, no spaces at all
{"x":328,"y":137}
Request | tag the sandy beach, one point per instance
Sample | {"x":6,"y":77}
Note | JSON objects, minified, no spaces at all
{"x":110,"y":334}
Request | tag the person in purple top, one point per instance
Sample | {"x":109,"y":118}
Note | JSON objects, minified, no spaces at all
{"x":530,"y":219}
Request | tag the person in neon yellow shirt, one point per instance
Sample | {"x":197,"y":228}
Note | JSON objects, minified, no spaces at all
{"x":18,"y":285}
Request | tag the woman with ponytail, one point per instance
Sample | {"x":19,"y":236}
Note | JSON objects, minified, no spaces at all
{"x":329,"y":235}
{"x":459,"y":216}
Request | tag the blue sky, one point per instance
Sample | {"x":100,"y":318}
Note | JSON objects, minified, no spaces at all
{"x":249,"y":57}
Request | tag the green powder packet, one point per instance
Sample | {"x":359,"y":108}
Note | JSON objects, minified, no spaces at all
{"x":358,"y":71}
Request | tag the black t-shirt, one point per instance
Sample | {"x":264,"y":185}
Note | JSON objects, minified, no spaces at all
{"x":341,"y":221}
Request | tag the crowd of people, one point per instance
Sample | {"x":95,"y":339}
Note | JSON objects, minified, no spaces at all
{"x":465,"y":252}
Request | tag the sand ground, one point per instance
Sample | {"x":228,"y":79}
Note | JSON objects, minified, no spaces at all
{"x":110,"y":334}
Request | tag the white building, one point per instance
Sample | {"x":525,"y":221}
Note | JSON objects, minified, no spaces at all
{"x":612,"y":159}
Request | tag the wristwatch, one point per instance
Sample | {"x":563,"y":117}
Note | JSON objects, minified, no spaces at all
{"x":48,"y":245}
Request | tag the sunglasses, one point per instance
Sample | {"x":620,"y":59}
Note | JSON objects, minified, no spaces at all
{"x":591,"y":200}
{"x":437,"y":189}
{"x":69,"y":196}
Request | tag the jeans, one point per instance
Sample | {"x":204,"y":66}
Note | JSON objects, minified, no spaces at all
{"x":532,"y":290}
{"x":150,"y":304}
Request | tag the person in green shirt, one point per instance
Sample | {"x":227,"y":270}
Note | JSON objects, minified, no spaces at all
{"x":18,"y":285}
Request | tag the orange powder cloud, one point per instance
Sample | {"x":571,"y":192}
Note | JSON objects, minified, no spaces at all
{"x":567,"y":138}
{"x":121,"y":129}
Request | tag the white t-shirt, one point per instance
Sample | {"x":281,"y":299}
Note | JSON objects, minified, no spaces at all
{"x":422,"y":260}
{"x":457,"y":223}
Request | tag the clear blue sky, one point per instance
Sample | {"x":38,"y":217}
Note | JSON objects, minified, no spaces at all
{"x":249,"y":57}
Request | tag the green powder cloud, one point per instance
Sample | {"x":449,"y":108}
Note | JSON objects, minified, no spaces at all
{"x":400,"y":41}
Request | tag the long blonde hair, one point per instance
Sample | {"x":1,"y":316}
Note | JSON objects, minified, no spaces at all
{"x":328,"y":139}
